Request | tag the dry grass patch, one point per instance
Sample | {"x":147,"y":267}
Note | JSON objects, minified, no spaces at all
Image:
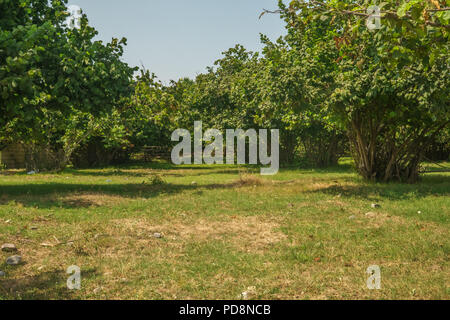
{"x":87,"y":200}
{"x":244,"y":233}
{"x":249,"y":180}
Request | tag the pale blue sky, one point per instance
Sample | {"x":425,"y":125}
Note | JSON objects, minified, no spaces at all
{"x":180,"y":38}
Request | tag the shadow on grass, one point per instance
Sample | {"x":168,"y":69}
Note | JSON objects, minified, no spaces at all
{"x":163,"y":169}
{"x":169,"y":170}
{"x":173,"y":173}
{"x":50,"y":195}
{"x":109,"y":172}
{"x":126,"y":170}
{"x":46,"y":195}
{"x":162,"y":165}
{"x":48,"y":285}
{"x":437,"y":185}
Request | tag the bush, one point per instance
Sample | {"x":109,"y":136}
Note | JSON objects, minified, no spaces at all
{"x":95,"y":154}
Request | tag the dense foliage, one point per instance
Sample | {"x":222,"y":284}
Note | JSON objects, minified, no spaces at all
{"x":389,"y":87}
{"x":331,"y":85}
{"x":55,"y":83}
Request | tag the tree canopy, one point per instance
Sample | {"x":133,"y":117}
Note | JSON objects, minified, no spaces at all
{"x":48,"y":72}
{"x":332,"y":85}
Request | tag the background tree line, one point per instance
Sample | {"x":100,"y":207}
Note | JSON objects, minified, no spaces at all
{"x":330,"y":85}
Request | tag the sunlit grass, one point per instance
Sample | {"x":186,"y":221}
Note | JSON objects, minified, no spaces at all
{"x":302,"y":234}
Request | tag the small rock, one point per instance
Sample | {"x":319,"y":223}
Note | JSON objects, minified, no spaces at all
{"x":9,"y":247}
{"x":375,"y":205}
{"x":98,"y":290}
{"x":14,"y":260}
{"x":194,"y":183}
{"x":157,"y":235}
{"x":2,"y":274}
{"x":371,"y":214}
{"x":352,"y":217}
{"x":249,"y":293}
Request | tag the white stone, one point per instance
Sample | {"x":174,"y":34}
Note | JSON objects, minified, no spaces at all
{"x":9,"y":247}
{"x":14,"y":260}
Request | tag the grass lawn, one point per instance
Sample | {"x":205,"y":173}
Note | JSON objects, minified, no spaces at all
{"x":302,"y":234}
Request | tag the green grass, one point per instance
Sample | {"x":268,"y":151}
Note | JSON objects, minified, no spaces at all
{"x":226,"y":230}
